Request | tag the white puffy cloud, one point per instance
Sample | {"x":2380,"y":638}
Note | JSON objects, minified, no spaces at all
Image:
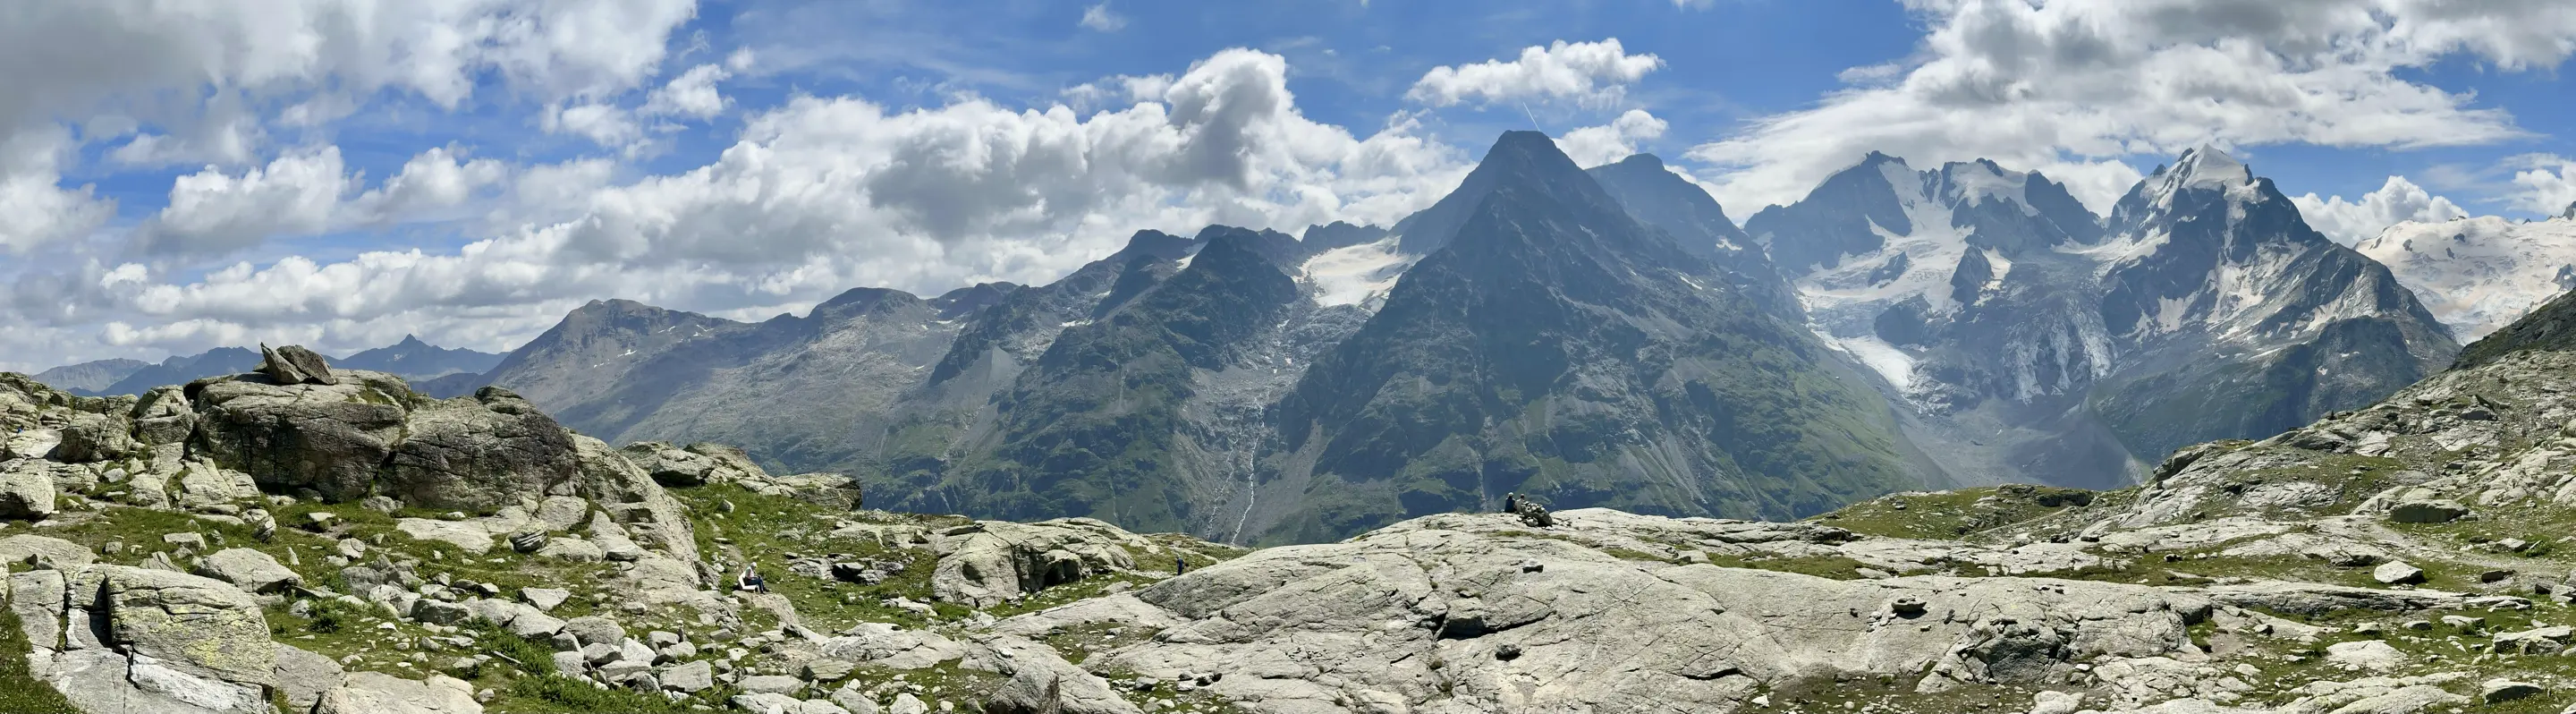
{"x":214,"y":212}
{"x":1597,"y":145}
{"x":1100,"y":18}
{"x":1592,"y":73}
{"x":307,"y":192}
{"x":820,"y":195}
{"x":692,"y":94}
{"x":2398,"y":200}
{"x":34,"y":211}
{"x":2079,"y":83}
{"x":2545,"y":184}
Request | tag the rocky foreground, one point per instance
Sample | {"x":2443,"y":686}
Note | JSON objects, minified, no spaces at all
{"x":304,"y":539}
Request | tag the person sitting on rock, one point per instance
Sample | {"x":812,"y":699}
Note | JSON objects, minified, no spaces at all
{"x":1512,"y":503}
{"x":751,"y":581}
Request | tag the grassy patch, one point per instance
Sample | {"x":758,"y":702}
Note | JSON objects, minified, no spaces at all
{"x":1823,"y":566}
{"x":555,"y":694}
{"x":1951,"y":515}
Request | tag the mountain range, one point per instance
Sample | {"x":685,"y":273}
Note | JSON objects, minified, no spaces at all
{"x":410,"y":359}
{"x":1590,"y":337}
{"x":2030,"y":341}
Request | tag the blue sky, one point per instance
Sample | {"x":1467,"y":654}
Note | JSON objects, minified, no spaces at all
{"x":747,"y":158}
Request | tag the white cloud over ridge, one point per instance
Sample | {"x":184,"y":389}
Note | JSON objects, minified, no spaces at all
{"x":2397,"y":201}
{"x":1591,"y":73}
{"x":823,"y":194}
{"x":2069,"y":86}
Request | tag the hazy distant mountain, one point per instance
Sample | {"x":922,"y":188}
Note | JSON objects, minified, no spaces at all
{"x":185,"y":369}
{"x":415,"y":361}
{"x":411,"y":359}
{"x":89,"y":377}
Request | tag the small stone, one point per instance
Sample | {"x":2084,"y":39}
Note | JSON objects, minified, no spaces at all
{"x":2494,"y":576}
{"x":2506,"y":690}
{"x":545,"y":599}
{"x":2433,"y":511}
{"x":2397,"y":573}
{"x":772,"y":684}
{"x":827,"y":670}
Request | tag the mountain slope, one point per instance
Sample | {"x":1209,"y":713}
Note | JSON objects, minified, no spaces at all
{"x":185,"y":369}
{"x":87,"y":378}
{"x":2479,"y":274}
{"x":1658,"y":197}
{"x":2028,"y":341}
{"x":1097,"y":425}
{"x":2239,"y":320}
{"x":1556,"y":346}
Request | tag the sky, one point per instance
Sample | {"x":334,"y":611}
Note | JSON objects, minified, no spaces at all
{"x":177,"y":175}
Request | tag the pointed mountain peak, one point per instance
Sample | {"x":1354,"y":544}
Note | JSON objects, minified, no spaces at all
{"x":2209,"y":167}
{"x":1525,"y":151}
{"x":1876,"y":159}
{"x":1527,"y":159}
{"x":2570,"y":213}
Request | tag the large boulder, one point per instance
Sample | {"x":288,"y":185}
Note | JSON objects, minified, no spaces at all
{"x":1043,"y":683}
{"x":116,"y":638}
{"x":303,"y":676}
{"x":97,"y":437}
{"x":293,"y":364}
{"x":478,"y":454}
{"x":988,"y":563}
{"x":249,"y":570}
{"x":26,"y":489}
{"x":23,"y":549}
{"x":673,"y":466}
{"x":331,"y":439}
{"x":379,"y":693}
{"x":163,"y":416}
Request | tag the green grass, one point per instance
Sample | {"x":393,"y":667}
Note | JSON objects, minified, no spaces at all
{"x":1953,"y":515}
{"x":20,"y":691}
{"x":555,"y":694}
{"x":764,"y":529}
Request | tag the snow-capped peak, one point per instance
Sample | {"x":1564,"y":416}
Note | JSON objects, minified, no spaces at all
{"x":2571,"y":212}
{"x":2208,"y":167}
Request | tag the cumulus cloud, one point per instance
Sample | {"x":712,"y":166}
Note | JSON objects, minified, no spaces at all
{"x":692,"y":94}
{"x":826,"y":193}
{"x":1099,"y":17}
{"x":1597,"y":145}
{"x":214,"y":212}
{"x":306,"y":192}
{"x":2398,"y":200}
{"x":34,"y":210}
{"x":1592,"y":73}
{"x":2072,"y":85}
{"x":173,"y":83}
{"x":2545,"y":184}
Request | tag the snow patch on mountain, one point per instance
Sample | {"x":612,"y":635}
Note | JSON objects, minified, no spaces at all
{"x":1887,"y":360}
{"x":2479,"y":274}
{"x":1355,"y":275}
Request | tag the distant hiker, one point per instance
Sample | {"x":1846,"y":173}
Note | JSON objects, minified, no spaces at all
{"x":1511,"y":503}
{"x":1180,"y":565}
{"x":751,"y":581}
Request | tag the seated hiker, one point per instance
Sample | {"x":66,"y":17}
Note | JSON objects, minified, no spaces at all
{"x":752,"y":581}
